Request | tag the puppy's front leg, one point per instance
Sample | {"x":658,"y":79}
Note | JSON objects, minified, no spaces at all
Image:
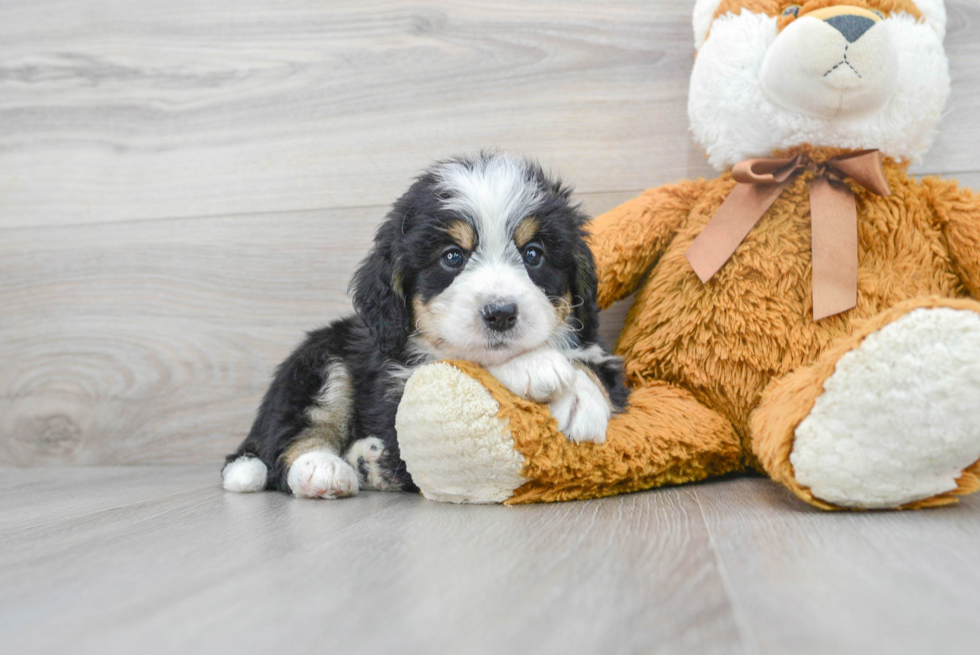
{"x":575,"y":397}
{"x":584,"y":409}
{"x":541,"y":375}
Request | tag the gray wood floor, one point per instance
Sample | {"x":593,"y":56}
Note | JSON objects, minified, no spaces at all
{"x":187,"y":185}
{"x":161,"y":560}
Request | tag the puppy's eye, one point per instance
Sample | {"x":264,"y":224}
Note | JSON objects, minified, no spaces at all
{"x":534,"y":255}
{"x":452,"y":259}
{"x":792,"y":10}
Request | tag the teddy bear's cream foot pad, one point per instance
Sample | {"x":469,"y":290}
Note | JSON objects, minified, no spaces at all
{"x":467,"y":458}
{"x":921,"y":376}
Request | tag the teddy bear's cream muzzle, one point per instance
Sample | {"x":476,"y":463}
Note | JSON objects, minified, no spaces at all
{"x":836,"y":62}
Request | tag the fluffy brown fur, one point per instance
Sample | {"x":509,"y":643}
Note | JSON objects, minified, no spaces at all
{"x":667,"y":437}
{"x":725,"y":341}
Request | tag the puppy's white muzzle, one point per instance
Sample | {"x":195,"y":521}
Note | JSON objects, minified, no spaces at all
{"x":462,"y":322}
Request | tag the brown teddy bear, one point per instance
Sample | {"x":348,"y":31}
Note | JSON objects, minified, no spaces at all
{"x":810,"y":314}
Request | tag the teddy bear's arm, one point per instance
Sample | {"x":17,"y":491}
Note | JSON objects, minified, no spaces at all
{"x":958,"y":213}
{"x":628,"y":240}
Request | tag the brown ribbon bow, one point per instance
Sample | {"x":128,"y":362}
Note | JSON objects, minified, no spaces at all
{"x":833,"y":220}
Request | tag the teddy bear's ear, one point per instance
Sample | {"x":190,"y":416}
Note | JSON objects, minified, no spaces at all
{"x":704,"y":12}
{"x":934,"y":14}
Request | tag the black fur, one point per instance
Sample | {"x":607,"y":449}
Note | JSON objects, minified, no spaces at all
{"x":377,"y":289}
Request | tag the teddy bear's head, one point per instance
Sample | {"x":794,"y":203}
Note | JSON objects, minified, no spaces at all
{"x":856,"y":74}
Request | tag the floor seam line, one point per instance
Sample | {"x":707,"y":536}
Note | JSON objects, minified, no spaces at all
{"x":382,"y":207}
{"x":741,"y":624}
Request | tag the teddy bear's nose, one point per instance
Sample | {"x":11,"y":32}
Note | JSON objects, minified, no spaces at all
{"x":851,"y":26}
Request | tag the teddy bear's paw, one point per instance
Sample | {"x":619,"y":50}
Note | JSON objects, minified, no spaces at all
{"x":321,"y":474}
{"x":455,"y":445}
{"x":583,"y":411}
{"x":899,"y":419}
{"x":540,"y":375}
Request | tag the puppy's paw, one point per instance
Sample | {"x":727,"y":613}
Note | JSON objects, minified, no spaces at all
{"x":245,"y":474}
{"x":365,"y":456}
{"x":583,"y":412}
{"x":321,"y":474}
{"x":540,"y":375}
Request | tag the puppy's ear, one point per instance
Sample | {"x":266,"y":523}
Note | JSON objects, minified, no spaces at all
{"x":583,"y":283}
{"x":378,"y":293}
{"x":584,"y":289}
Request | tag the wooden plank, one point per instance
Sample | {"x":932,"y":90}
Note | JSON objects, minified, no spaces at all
{"x":112,"y":110}
{"x":807,"y":581}
{"x":242,"y":270}
{"x":954,"y":150}
{"x":132,"y":391}
{"x":150,"y":342}
{"x":380,"y":572}
{"x":34,"y":497}
{"x":115,"y":110}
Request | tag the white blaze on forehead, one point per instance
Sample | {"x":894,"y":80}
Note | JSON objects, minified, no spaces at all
{"x":495,"y":193}
{"x":704,"y":11}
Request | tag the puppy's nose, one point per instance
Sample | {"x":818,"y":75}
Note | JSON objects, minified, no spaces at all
{"x":500,"y":318}
{"x":851,"y":26}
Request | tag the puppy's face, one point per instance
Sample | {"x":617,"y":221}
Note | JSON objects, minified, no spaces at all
{"x":490,"y":261}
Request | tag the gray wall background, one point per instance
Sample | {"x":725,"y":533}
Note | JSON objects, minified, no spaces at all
{"x":185,"y":187}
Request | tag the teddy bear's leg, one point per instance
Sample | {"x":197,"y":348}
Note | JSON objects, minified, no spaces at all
{"x":889,"y":417}
{"x":465,"y":438}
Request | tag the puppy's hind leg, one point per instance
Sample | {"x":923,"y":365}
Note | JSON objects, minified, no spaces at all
{"x":313,"y":463}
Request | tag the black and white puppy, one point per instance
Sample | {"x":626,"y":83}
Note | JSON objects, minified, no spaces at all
{"x":483,"y":259}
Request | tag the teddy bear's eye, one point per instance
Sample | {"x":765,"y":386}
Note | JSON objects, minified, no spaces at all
{"x":880,"y":15}
{"x":792,"y":10}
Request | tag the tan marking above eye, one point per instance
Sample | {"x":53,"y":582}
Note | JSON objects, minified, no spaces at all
{"x":463,"y":234}
{"x":526,"y":230}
